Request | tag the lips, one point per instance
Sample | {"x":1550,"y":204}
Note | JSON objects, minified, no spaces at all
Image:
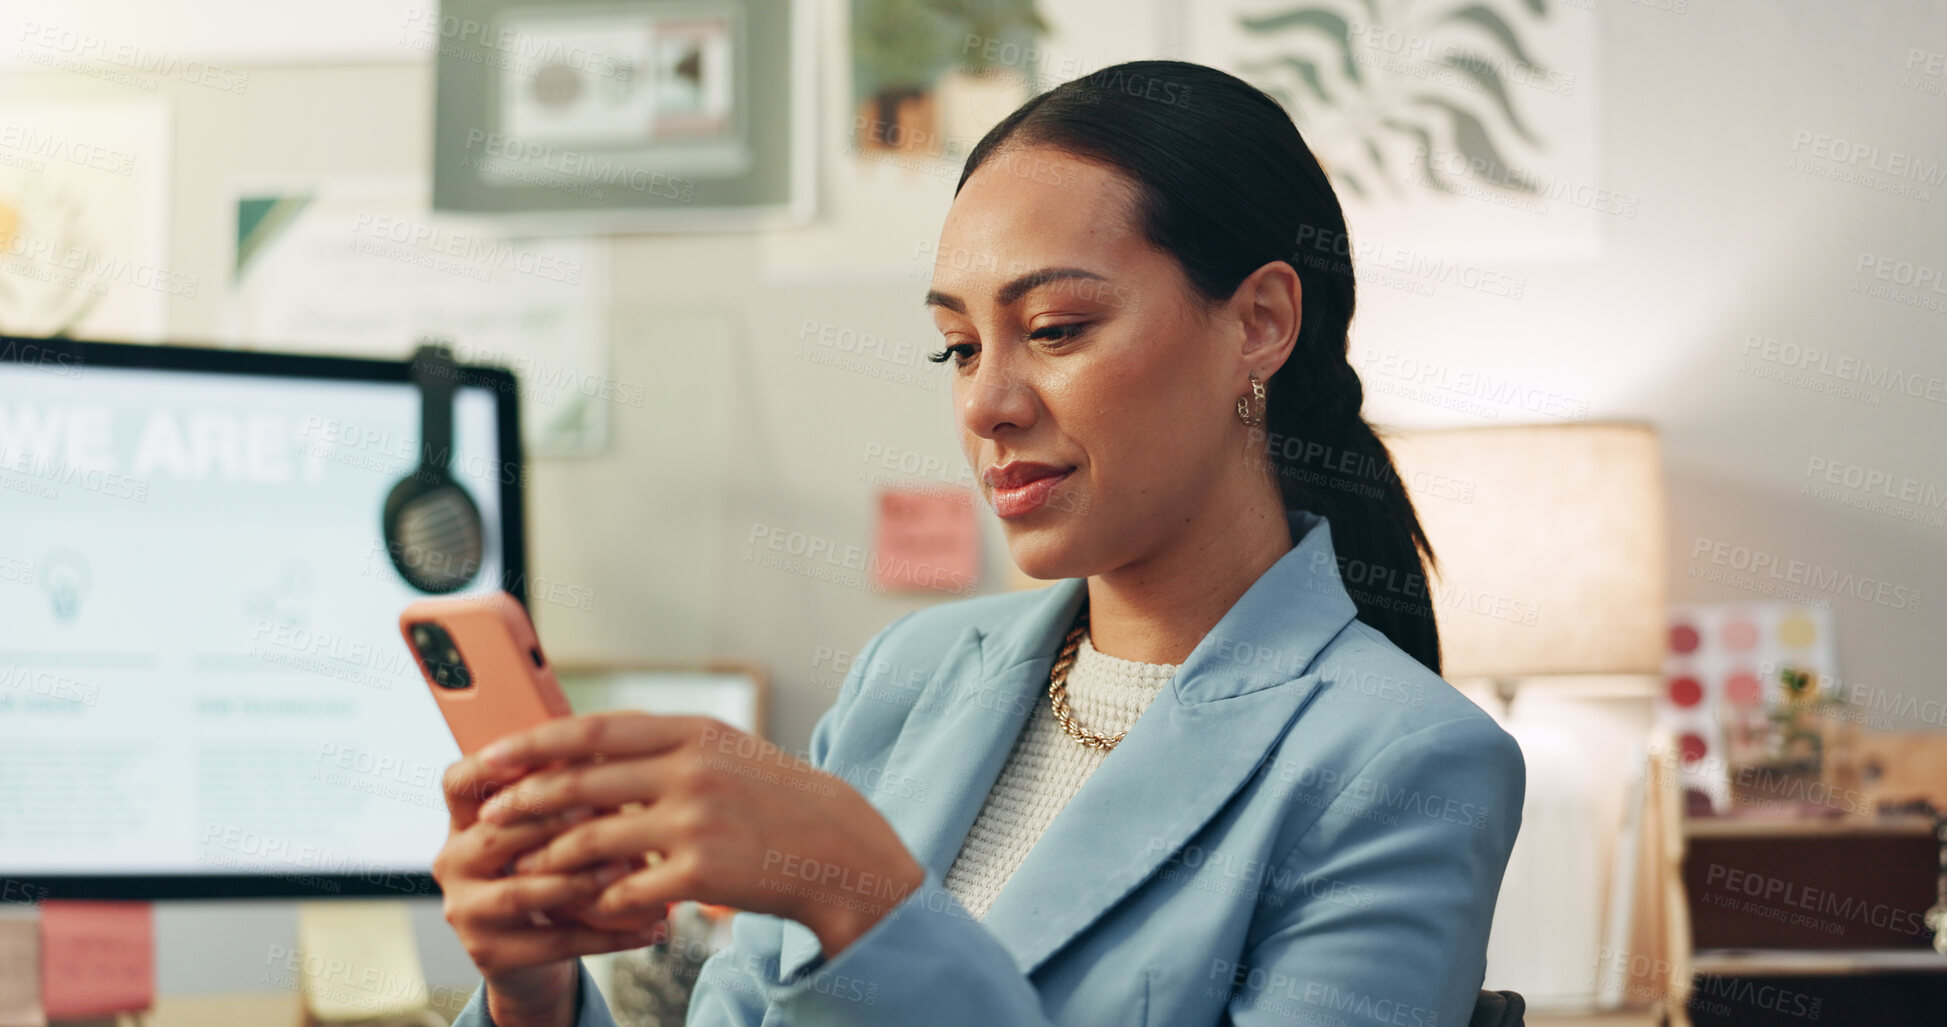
{"x":1020,"y":487}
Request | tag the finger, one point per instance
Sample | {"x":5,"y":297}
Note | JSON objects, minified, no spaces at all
{"x":513,"y":901}
{"x":618,"y":734}
{"x":531,"y":946}
{"x":651,"y":890}
{"x":484,"y":850}
{"x":470,"y":782}
{"x":618,"y":836}
{"x":603,"y":785}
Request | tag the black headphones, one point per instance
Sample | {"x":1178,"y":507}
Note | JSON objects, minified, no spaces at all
{"x":433,"y":530}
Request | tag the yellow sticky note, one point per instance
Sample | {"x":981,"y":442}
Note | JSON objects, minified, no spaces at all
{"x":20,"y":970}
{"x":356,"y":959}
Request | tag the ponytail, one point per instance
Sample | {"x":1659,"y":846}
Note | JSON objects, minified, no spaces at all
{"x":1333,"y":464}
{"x":1226,"y":185}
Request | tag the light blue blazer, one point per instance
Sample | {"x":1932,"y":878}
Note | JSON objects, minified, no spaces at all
{"x":1306,"y":826}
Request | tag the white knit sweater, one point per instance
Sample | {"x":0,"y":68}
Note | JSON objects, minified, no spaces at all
{"x":1047,"y":767}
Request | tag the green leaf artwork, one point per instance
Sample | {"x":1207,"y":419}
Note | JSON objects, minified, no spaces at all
{"x":1435,"y":77}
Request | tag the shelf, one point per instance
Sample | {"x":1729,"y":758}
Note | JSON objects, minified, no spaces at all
{"x":1800,"y":827}
{"x":1815,"y":962}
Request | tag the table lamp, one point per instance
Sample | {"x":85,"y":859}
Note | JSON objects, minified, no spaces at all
{"x":1550,"y":545}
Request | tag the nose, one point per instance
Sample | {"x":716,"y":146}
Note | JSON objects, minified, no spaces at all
{"x":997,"y":398}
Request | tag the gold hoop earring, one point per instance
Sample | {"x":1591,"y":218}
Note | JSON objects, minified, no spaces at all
{"x":1244,"y":403}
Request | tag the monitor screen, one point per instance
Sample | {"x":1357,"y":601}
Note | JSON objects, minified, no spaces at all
{"x":203,"y":689}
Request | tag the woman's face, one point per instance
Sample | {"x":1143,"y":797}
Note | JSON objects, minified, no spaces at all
{"x":1095,"y":395}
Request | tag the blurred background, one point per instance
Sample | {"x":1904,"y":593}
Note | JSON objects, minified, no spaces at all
{"x":1652,"y":296}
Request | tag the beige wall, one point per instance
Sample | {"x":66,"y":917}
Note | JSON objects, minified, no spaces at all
{"x":1699,"y":112}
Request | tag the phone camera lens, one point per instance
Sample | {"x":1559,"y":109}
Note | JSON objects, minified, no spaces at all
{"x":444,"y":665}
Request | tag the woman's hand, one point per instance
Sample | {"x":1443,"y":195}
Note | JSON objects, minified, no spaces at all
{"x":527,"y":962}
{"x":739,"y":822}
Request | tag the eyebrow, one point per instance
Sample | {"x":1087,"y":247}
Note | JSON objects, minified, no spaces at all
{"x":1015,"y":289}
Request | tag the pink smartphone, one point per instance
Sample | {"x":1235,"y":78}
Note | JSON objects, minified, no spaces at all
{"x":480,"y":656}
{"x":484,"y":663}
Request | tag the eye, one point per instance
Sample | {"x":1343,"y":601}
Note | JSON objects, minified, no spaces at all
{"x":1056,"y":333}
{"x":961,"y":352}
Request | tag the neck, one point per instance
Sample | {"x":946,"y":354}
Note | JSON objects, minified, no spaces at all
{"x":1157,"y":609}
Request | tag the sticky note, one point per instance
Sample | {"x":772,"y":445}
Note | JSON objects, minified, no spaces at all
{"x":927,"y":540}
{"x":356,"y":959}
{"x":20,"y":969}
{"x":97,"y":958}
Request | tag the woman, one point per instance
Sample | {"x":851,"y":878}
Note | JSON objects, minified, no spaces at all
{"x":1287,"y":814}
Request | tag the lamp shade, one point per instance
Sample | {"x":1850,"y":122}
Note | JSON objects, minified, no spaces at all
{"x":1550,"y":545}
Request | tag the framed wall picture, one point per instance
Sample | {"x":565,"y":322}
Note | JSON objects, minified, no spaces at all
{"x":736,"y":693}
{"x":626,"y":115}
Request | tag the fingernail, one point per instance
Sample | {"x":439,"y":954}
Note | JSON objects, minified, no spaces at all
{"x":577,"y":815}
{"x":499,"y":754}
{"x":528,"y":863}
{"x":610,"y":874}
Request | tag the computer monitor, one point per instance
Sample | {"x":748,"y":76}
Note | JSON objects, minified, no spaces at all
{"x":203,"y":689}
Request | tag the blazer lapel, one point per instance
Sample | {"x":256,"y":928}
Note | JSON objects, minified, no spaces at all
{"x":958,"y":736}
{"x":1198,"y":743}
{"x":966,"y":721}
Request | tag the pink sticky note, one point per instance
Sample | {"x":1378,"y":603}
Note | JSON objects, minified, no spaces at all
{"x":927,"y":539}
{"x":97,"y":958}
{"x":20,"y":971}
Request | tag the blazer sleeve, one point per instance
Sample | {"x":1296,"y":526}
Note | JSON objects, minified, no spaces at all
{"x":594,"y":1011}
{"x":928,"y":960}
{"x":1397,"y":881}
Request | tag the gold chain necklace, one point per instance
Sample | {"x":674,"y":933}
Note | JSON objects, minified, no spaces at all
{"x":1058,"y":689}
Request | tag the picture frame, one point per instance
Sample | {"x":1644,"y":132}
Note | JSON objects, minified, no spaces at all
{"x":626,"y":115}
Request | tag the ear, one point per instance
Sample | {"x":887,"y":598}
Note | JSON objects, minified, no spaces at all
{"x":1269,"y":305}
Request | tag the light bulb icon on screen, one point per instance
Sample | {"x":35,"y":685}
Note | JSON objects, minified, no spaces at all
{"x":283,"y":600}
{"x":66,"y":580}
